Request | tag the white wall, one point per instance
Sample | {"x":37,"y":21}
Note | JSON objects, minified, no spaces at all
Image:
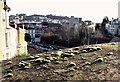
{"x":112,"y":28}
{"x":12,"y":38}
{"x":13,"y":42}
{"x":119,"y":10}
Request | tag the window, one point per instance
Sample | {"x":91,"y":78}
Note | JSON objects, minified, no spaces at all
{"x":7,"y":55}
{"x":6,"y":39}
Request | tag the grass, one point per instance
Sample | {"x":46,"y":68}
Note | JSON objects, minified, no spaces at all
{"x":22,"y":55}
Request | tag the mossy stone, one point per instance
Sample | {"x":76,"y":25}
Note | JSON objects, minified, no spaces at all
{"x":24,"y":64}
{"x":71,"y":69}
{"x":60,"y":53}
{"x":84,"y":51}
{"x":9,"y":71}
{"x":31,"y":57}
{"x":8,"y":75}
{"x":110,"y":53}
{"x":21,"y":64}
{"x":67,"y":55}
{"x":83,"y":58}
{"x":71,"y":64}
{"x":39,"y":54}
{"x":99,"y":48}
{"x":76,"y":48}
{"x":46,"y":61}
{"x":99,"y":59}
{"x":9,"y":62}
{"x":65,"y":58}
{"x":87,"y":63}
{"x":57,"y":62}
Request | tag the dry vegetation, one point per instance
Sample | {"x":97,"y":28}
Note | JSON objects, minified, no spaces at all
{"x":93,"y":62}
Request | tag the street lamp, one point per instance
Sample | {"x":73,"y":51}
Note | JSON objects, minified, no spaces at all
{"x":7,"y":9}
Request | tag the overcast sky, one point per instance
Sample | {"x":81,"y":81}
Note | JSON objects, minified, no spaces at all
{"x":94,"y":10}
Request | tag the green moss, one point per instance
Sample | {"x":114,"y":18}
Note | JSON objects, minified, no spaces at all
{"x":39,"y":54}
{"x":67,"y":55}
{"x":38,"y":60}
{"x":65,"y":59}
{"x":55,"y":58}
{"x":27,"y":67}
{"x":22,"y":55}
{"x":60,"y":53}
{"x":51,"y":58}
{"x":52,"y":52}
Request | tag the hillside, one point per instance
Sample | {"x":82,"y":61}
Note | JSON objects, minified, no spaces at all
{"x":93,"y":62}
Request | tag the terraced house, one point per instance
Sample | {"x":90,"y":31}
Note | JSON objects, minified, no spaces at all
{"x":11,"y":39}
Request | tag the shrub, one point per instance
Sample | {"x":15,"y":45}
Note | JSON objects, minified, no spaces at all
{"x":22,"y":55}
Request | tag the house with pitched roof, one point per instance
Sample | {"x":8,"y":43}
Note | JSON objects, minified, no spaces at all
{"x":12,"y":40}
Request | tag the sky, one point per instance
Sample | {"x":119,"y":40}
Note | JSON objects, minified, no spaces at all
{"x":94,"y":10}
